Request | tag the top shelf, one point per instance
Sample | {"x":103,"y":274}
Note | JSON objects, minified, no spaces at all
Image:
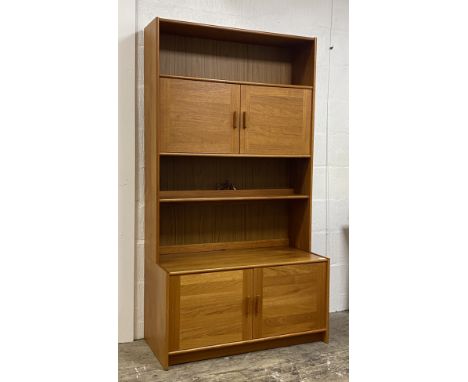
{"x":236,"y":82}
{"x":231,"y":34}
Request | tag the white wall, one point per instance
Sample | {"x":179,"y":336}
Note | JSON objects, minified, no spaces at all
{"x":126,"y":169}
{"x":328,"y":21}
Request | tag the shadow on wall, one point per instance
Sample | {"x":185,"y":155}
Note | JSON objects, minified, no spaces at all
{"x":126,"y":185}
{"x":346,"y":236}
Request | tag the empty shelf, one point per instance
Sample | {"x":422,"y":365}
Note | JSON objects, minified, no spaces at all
{"x":216,"y":195}
{"x":236,"y":82}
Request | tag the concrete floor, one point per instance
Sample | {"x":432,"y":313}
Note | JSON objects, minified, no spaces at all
{"x":308,"y":362}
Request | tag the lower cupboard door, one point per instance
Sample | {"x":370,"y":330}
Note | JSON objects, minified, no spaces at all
{"x":289,"y":299}
{"x":210,"y":309}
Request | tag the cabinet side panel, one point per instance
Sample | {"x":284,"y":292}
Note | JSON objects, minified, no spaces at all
{"x":312,"y":63}
{"x":151,"y":158}
{"x":327,"y":303}
{"x":300,"y":223}
{"x":156,"y":289}
{"x":300,"y":210}
{"x":156,"y":311}
{"x":303,"y":64}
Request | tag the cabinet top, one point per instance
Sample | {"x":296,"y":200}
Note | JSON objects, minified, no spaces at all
{"x":222,"y":260}
{"x":229,"y":33}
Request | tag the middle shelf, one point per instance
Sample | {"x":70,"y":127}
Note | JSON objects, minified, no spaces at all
{"x":218,"y":195}
{"x":229,"y":259}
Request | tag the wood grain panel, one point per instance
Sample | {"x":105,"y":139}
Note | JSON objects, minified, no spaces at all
{"x":215,"y":222}
{"x":225,"y":60}
{"x":303,"y":69}
{"x":151,"y":142}
{"x":205,"y":173}
{"x":212,"y":309}
{"x":207,"y":247}
{"x":186,"y":28}
{"x":327,"y":303}
{"x":199,"y":116}
{"x":275,"y":120}
{"x":184,"y":263}
{"x":293,"y":299}
{"x":156,"y":289}
{"x":156,"y":314}
{"x":182,"y":356}
{"x":300,"y":212}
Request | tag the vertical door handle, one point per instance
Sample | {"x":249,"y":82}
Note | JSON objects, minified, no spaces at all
{"x":244,"y":123}
{"x":234,"y":120}
{"x":257,"y":304}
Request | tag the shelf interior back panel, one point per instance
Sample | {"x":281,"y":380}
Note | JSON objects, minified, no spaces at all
{"x":208,"y":173}
{"x":235,"y":61}
{"x":217,"y":222}
{"x":224,"y":60}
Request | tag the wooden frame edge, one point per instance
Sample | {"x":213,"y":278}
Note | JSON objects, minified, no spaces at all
{"x":244,"y":347}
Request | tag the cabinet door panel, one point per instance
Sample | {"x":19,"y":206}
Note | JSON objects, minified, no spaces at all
{"x":199,"y":117}
{"x":291,"y":299}
{"x":210,"y":309}
{"x":276,"y":121}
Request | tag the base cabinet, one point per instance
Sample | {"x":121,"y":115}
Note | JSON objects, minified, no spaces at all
{"x":216,"y":308}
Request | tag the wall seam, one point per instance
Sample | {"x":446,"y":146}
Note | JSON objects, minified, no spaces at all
{"x":135,"y":246}
{"x":327,"y":188}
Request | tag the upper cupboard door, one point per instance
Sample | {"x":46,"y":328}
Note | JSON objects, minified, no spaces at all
{"x":275,"y":120}
{"x":199,"y":117}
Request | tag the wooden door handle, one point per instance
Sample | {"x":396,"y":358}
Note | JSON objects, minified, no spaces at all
{"x":234,"y":120}
{"x":244,"y":123}
{"x":257,"y":304}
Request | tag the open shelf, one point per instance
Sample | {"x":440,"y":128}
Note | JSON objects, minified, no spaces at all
{"x":183,"y":263}
{"x":205,"y":52}
{"x":218,"y":195}
{"x":237,"y":82}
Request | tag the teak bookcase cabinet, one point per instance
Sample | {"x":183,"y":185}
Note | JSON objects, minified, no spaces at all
{"x":229,"y":270}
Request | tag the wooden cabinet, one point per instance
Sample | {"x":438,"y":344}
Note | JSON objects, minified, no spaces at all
{"x":225,"y":307}
{"x":290,"y":299}
{"x":275,"y":120}
{"x":228,"y":191}
{"x":204,"y":117}
{"x":210,"y":309}
{"x":199,"y":116}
